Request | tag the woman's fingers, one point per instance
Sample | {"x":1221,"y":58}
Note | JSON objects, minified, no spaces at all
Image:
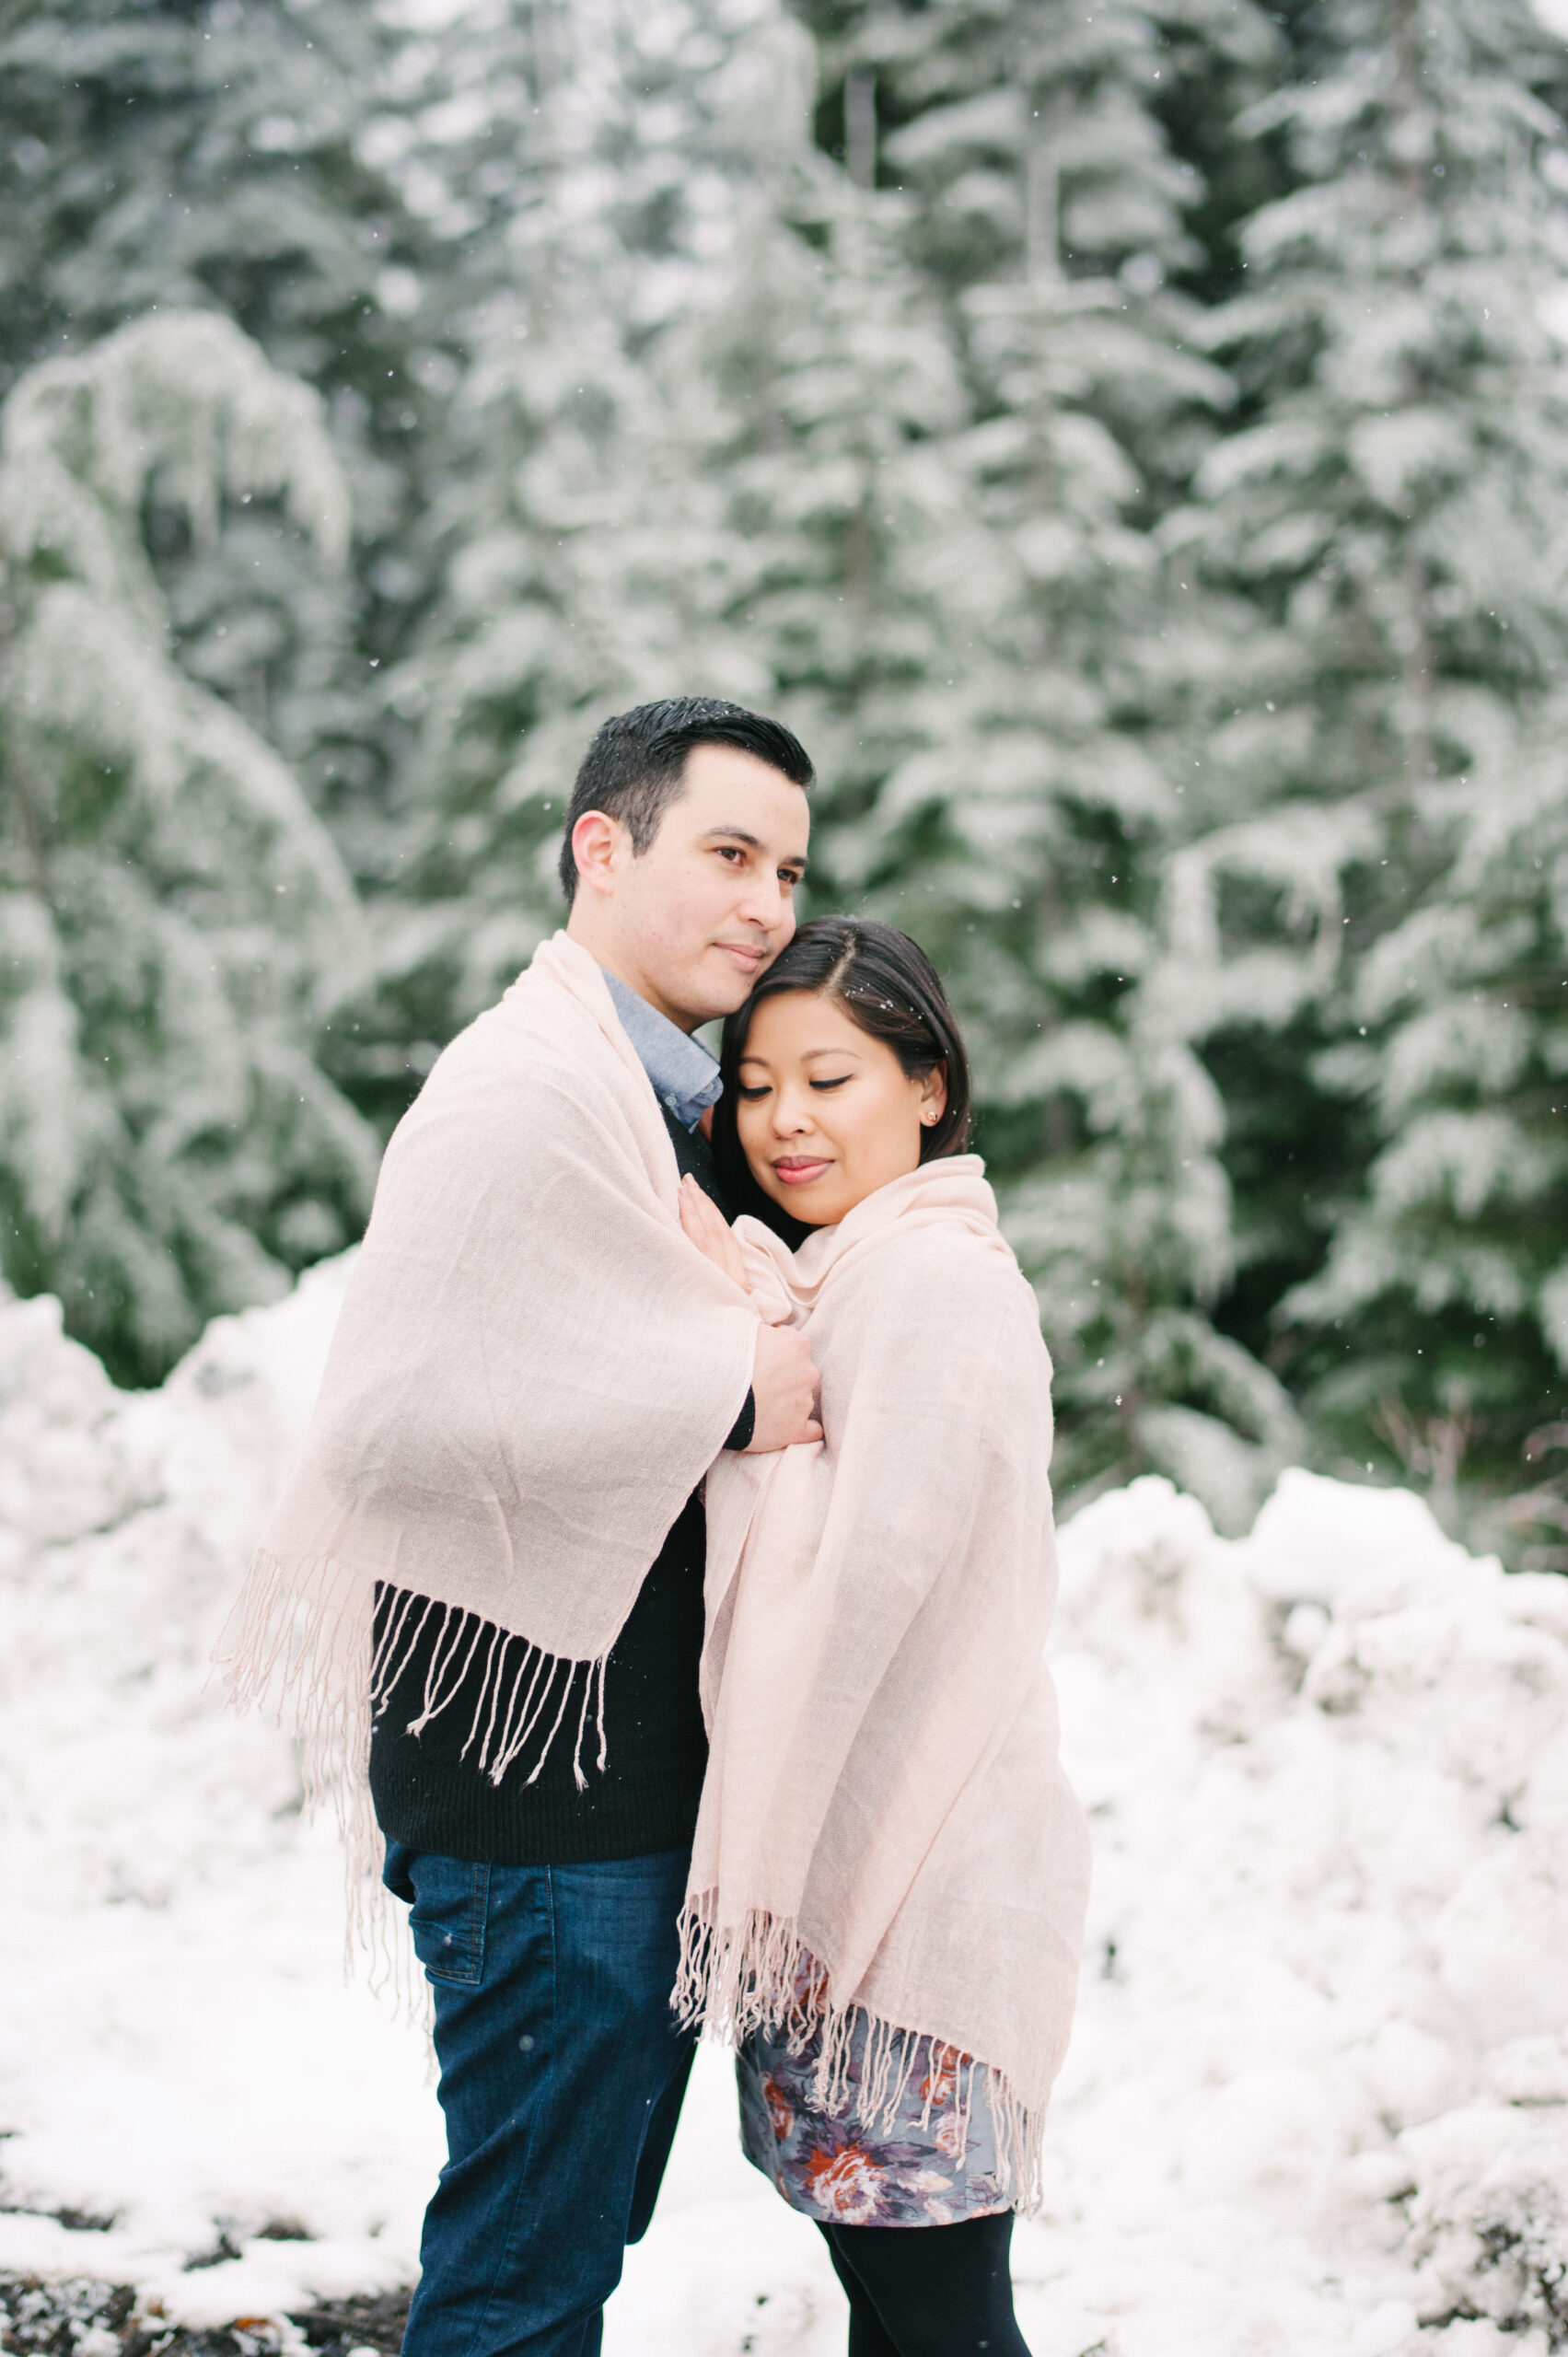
{"x":693,"y":1203}
{"x":710,"y":1231}
{"x":701,"y":1220}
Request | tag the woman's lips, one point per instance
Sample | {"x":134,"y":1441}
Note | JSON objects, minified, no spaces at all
{"x":799,"y":1171}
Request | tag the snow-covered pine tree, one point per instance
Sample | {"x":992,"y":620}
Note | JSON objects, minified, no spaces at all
{"x":829,"y":414}
{"x":203,"y":156}
{"x":175,"y":926}
{"x":588,"y":565}
{"x":239,"y":158}
{"x":1386,"y":635}
{"x":1022,"y":837}
{"x":1049,"y":201}
{"x":1450,"y":1276}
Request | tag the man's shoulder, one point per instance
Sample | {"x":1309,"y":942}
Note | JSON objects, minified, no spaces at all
{"x":509,"y":1045}
{"x":514,"y":1087}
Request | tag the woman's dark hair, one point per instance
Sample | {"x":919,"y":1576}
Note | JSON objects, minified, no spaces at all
{"x":888,"y":987}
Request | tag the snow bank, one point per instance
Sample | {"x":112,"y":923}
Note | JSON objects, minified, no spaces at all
{"x":1320,"y":2076}
{"x":1318,"y":2100}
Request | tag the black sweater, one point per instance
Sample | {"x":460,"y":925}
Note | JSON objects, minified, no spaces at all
{"x":645,"y":1799}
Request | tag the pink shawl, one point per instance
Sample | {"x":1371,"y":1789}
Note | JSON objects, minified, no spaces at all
{"x":532,"y":1371}
{"x":884,"y":1795}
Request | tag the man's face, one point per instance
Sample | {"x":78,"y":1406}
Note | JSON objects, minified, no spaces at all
{"x":693,"y":922}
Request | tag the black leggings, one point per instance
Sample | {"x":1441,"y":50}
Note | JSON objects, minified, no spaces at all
{"x":928,"y":2291}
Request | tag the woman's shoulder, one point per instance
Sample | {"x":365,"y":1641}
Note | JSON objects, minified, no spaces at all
{"x":950,"y":1262}
{"x":943,"y":1312}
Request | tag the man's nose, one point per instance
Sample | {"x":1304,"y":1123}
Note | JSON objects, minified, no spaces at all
{"x":763,"y":904}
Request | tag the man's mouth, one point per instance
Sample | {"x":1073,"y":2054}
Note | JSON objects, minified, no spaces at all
{"x":799,"y":1169}
{"x":747,"y":954}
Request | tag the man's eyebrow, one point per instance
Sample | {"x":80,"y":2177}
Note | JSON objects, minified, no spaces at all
{"x":755,"y":842}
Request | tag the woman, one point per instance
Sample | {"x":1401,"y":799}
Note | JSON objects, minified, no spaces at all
{"x":888,"y":1883}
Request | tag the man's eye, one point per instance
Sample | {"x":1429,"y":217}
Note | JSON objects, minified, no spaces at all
{"x":729,"y":851}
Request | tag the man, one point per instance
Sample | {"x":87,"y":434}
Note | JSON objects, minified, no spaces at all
{"x":544,"y":1905}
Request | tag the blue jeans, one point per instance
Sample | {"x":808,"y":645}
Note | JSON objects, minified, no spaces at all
{"x":561,"y":2076}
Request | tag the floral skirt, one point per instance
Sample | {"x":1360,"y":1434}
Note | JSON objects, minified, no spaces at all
{"x":931,"y":2166}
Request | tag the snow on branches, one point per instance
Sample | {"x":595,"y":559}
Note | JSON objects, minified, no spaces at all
{"x":175,"y":925}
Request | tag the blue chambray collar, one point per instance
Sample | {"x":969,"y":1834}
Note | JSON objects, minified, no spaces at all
{"x":684,"y":1077}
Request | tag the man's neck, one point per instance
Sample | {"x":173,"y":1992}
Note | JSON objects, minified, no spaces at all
{"x":684,"y":1075}
{"x":611,"y":957}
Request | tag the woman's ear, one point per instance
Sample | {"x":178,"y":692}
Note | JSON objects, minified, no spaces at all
{"x":933,"y":1096}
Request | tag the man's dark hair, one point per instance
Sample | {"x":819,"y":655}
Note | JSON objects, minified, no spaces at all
{"x":889,"y":987}
{"x":635,"y":768}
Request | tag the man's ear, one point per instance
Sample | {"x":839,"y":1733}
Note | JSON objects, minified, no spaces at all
{"x":598,"y":844}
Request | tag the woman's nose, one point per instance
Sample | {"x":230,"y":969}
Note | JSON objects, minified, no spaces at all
{"x":791,"y":1112}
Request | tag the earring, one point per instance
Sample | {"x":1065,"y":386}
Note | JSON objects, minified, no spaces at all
{"x":928,"y":1118}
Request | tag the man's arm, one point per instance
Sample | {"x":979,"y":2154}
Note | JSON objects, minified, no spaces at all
{"x":745,"y":1424}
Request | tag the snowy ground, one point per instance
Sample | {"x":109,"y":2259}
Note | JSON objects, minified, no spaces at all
{"x":1318,"y":2098}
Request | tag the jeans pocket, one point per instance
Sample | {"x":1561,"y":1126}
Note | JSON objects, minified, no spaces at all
{"x":451,"y":1899}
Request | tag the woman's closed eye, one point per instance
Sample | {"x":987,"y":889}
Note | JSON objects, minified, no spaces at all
{"x":751,"y":1095}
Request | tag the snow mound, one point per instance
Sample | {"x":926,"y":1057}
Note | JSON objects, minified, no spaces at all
{"x":1318,"y":2097}
{"x":1326,"y":1768}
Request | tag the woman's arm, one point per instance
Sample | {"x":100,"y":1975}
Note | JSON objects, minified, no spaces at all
{"x":783,"y":1380}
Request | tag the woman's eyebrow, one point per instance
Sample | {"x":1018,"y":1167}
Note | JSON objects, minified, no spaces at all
{"x":807,"y":1055}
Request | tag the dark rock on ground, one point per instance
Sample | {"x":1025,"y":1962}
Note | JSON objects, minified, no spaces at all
{"x":82,"y":2318}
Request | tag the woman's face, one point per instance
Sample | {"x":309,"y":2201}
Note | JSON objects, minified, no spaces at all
{"x":826,"y":1114}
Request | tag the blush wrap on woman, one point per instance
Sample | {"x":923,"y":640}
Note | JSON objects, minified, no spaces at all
{"x":885,"y":1821}
{"x":532,"y":1372}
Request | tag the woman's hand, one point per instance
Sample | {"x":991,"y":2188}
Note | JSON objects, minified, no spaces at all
{"x":711,"y":1232}
{"x":784,"y":1379}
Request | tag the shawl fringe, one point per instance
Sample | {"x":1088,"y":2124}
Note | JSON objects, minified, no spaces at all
{"x":301,"y":1644}
{"x":759,"y":1974}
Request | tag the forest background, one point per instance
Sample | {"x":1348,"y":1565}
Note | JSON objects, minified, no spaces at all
{"x":1129,"y":444}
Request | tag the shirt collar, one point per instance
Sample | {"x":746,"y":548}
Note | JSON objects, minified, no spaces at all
{"x":684,"y":1077}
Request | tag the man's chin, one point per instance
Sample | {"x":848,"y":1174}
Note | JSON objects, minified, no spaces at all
{"x":722,"y":986}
